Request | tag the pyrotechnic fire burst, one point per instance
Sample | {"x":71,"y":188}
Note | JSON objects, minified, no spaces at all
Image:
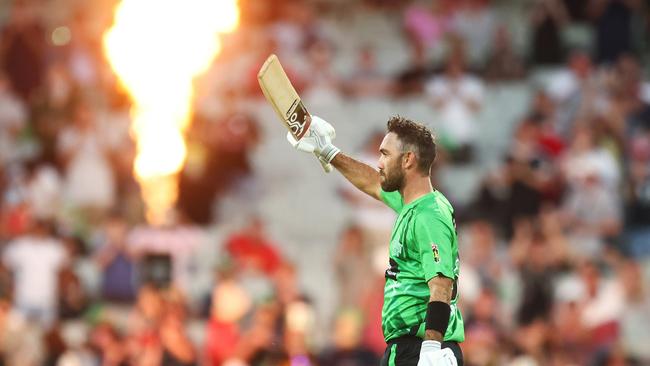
{"x":157,"y":48}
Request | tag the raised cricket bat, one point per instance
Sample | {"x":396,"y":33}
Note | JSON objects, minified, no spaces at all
{"x":284,"y":99}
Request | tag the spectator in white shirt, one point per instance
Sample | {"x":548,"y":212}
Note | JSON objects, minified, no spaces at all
{"x":35,"y":260}
{"x":458,"y":97}
{"x":89,"y":179}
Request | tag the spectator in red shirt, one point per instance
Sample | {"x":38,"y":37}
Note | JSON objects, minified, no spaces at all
{"x":252,"y":249}
{"x":230,"y":303}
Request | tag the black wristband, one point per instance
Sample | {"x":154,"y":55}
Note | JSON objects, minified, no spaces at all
{"x":437,"y":318}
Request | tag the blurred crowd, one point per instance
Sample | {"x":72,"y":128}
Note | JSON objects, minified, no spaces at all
{"x":555,"y":244}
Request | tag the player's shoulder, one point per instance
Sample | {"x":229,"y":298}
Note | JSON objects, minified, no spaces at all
{"x":436,"y":206}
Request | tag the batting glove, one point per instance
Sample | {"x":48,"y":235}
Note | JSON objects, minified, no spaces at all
{"x":318,"y":140}
{"x":432,"y":355}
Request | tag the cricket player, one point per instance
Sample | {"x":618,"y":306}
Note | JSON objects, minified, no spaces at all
{"x":421,"y":322}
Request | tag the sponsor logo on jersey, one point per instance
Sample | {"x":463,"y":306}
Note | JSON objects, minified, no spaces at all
{"x":436,"y":253}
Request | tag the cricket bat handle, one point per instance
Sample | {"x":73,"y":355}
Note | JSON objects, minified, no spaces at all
{"x":327,"y":167}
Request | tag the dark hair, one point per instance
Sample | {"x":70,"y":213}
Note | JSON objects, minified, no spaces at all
{"x":417,"y":138}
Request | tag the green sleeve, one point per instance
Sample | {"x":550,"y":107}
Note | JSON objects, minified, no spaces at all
{"x":392,"y":199}
{"x":434,"y":237}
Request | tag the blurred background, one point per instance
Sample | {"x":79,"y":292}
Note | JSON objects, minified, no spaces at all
{"x":542,"y":114}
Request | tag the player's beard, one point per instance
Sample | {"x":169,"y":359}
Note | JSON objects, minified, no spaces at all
{"x":393,"y":178}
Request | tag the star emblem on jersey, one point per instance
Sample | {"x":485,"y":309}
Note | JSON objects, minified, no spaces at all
{"x":436,"y":253}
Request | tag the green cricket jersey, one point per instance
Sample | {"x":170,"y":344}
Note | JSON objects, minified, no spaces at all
{"x":423,"y":244}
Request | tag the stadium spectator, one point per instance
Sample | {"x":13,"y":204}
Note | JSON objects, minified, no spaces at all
{"x":287,"y":287}
{"x":16,"y":215}
{"x":55,"y":346}
{"x":366,"y":80}
{"x":584,"y":153}
{"x":601,"y":305}
{"x":536,"y":268}
{"x":13,"y":119}
{"x":503,"y":64}
{"x":323,"y":84}
{"x":577,"y":10}
{"x":514,"y":191}
{"x":89,"y":179}
{"x":224,"y":333}
{"x":296,"y":25}
{"x":576,"y":91}
{"x":73,"y":297}
{"x":475,"y":23}
{"x":634,"y":333}
{"x":43,"y":192}
{"x":116,"y":262}
{"x":108,"y":344}
{"x":23,"y":50}
{"x":483,"y":333}
{"x":347,"y":347}
{"x":177,"y":347}
{"x":52,"y":111}
{"x":352,"y":263}
{"x":299,"y":323}
{"x":637,"y":204}
{"x":567,"y":321}
{"x":143,"y":343}
{"x":427,"y":26}
{"x":252,"y":249}
{"x":549,"y":17}
{"x":486,"y":260}
{"x":371,"y":303}
{"x":613,"y":25}
{"x":36,"y":259}
{"x":261,"y":341}
{"x":458,"y":97}
{"x":82,"y":55}
{"x":592,"y":214}
{"x":21,"y":340}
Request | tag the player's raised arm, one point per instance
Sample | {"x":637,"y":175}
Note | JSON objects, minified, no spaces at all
{"x":319,"y":141}
{"x":362,"y":176}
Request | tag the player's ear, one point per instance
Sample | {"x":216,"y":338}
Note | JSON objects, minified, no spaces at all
{"x":408,"y":160}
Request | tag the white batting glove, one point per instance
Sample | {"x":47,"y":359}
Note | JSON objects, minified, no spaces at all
{"x":318,"y":140}
{"x":432,"y":355}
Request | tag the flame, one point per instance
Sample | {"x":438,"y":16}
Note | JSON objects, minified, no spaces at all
{"x":157,"y":48}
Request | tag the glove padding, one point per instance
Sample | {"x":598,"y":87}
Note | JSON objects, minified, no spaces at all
{"x":318,"y":140}
{"x":432,"y":355}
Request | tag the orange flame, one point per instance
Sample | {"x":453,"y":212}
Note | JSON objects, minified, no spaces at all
{"x":157,"y":48}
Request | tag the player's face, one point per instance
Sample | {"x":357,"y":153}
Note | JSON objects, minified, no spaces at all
{"x":391,"y":172}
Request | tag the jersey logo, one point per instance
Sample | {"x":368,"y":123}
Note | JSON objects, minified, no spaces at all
{"x":396,"y":248}
{"x":436,"y":253}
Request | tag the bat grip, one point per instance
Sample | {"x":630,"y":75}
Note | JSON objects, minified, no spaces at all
{"x":327,"y":167}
